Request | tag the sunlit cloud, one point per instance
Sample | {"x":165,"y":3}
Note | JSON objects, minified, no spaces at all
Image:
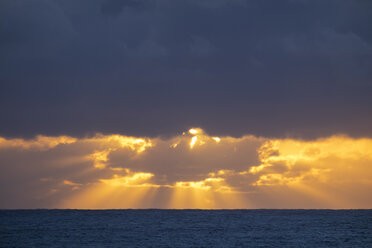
{"x":135,"y":180}
{"x":190,"y":170}
{"x":194,"y":131}
{"x":39,"y":143}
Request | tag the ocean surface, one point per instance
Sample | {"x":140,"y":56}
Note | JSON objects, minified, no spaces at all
{"x":186,"y":228}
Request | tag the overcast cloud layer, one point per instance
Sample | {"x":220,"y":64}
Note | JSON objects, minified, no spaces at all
{"x":154,"y":67}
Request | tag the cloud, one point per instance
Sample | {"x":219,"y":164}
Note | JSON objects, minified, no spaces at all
{"x":233,"y":67}
{"x":190,"y":170}
{"x":39,"y":143}
{"x":115,"y":7}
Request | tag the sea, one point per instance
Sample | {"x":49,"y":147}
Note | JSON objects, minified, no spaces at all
{"x":186,"y":228}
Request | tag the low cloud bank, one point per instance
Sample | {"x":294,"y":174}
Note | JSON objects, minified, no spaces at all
{"x":191,"y":170}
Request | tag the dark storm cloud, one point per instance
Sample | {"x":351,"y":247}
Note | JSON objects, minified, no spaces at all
{"x":115,"y":7}
{"x":271,"y":68}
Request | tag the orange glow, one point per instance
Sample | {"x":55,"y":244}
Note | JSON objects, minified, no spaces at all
{"x":115,"y":171}
{"x":210,"y":193}
{"x":193,"y":131}
{"x":135,"y":180}
{"x":67,"y":182}
{"x":74,"y":186}
{"x":103,"y":196}
{"x":113,"y":143}
{"x":127,"y":191}
{"x":200,"y":138}
{"x":100,"y":158}
{"x":193,"y":141}
{"x":138,"y":145}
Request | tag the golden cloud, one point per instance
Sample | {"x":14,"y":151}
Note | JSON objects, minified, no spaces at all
{"x":191,"y":170}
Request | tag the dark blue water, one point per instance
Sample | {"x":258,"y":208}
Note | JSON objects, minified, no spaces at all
{"x":185,"y":228}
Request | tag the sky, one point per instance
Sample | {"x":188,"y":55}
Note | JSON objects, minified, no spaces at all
{"x":185,"y":104}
